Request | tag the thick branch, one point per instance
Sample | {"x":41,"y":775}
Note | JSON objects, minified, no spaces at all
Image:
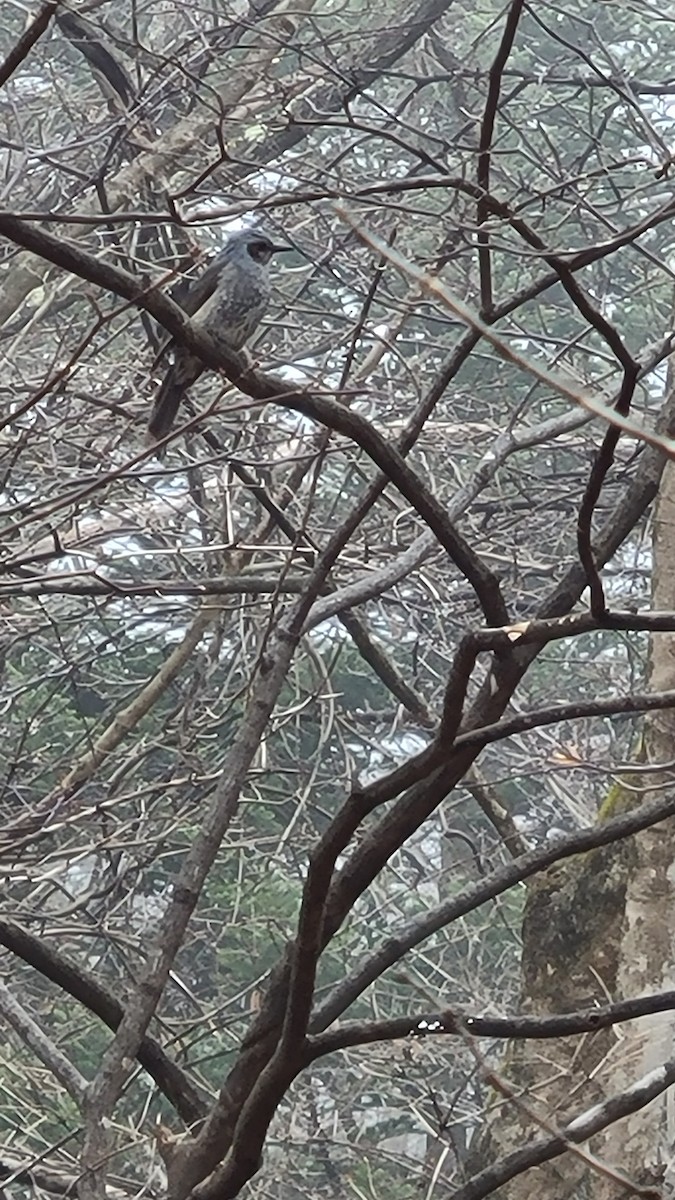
{"x":85,"y":988}
{"x":448,"y":1022}
{"x":483,"y":890}
{"x":583,"y":1127}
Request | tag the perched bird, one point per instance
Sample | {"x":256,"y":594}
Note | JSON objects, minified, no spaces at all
{"x":228,"y":300}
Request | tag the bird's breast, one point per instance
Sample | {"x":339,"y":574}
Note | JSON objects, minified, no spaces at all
{"x":236,"y":307}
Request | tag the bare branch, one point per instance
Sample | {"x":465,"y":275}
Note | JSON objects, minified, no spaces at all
{"x":449,"y":1023}
{"x":42,"y":1046}
{"x":25,"y":44}
{"x":88,"y":991}
{"x":580,"y":1129}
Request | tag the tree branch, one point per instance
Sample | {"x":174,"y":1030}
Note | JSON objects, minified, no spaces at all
{"x":86,"y":989}
{"x":483,"y":890}
{"x":261,"y":387}
{"x":44,"y":1049}
{"x":27,"y":40}
{"x":450,"y":1023}
{"x":583,"y":1127}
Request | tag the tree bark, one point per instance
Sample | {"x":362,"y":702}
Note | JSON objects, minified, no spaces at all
{"x":642,"y":1144}
{"x":598,"y":929}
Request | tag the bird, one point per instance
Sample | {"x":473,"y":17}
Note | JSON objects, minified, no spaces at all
{"x":228,"y":300}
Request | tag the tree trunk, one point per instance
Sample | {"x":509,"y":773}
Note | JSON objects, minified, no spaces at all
{"x":642,"y":1144}
{"x":597,"y":929}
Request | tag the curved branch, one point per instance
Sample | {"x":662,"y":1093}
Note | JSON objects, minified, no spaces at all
{"x":488,"y":888}
{"x":85,"y":988}
{"x":323,"y":409}
{"x":588,"y":1123}
{"x":83,"y":36}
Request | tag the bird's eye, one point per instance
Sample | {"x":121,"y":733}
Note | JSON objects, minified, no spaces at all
{"x":260,"y":251}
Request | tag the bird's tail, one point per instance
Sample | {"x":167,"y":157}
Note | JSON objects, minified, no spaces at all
{"x":167,"y":403}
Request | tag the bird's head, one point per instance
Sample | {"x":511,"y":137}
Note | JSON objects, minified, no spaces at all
{"x":254,"y":244}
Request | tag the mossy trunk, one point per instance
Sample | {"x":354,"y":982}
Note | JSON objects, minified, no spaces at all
{"x":572,"y":936}
{"x":641,"y":1145}
{"x":596,"y":929}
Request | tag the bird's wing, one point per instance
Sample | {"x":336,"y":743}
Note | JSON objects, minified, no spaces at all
{"x":192,"y":296}
{"x":203,"y":288}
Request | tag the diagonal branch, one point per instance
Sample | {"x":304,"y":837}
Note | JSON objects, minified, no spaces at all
{"x":261,"y":387}
{"x":583,"y":1127}
{"x":79,"y":983}
{"x":28,"y":38}
{"x":564,"y":386}
{"x":34,"y":824}
{"x":42,"y":1046}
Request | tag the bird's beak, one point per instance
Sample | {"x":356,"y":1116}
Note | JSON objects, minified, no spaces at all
{"x":282,"y":249}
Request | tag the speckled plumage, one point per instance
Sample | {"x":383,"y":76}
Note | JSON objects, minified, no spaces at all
{"x":228,"y":300}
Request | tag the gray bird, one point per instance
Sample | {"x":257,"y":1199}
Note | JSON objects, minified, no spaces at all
{"x":229,"y":300}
